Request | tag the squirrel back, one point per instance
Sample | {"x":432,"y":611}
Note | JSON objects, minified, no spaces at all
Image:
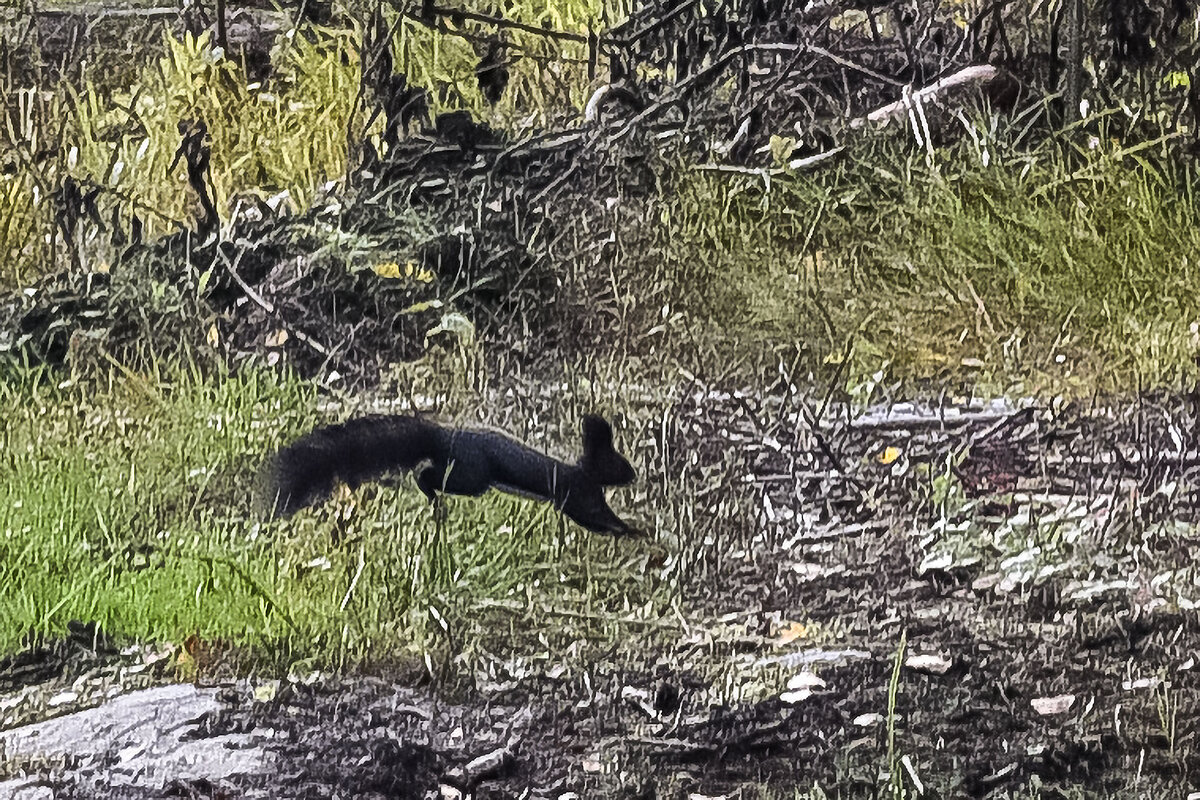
{"x":450,"y":460}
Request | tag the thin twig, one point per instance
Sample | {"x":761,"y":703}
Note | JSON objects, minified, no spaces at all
{"x":500,"y":22}
{"x":684,"y":86}
{"x":268,"y":307}
{"x":255,"y":587}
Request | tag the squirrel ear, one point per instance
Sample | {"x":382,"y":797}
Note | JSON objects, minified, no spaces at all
{"x":597,"y":433}
{"x":600,"y":458}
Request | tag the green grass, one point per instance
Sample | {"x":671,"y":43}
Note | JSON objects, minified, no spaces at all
{"x":1034,"y":273}
{"x":107,"y":505}
{"x":130,"y":505}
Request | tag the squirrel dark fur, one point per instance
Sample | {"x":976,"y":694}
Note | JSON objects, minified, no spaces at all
{"x":451,"y":460}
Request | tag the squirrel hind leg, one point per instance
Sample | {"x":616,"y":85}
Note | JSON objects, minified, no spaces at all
{"x":429,"y":480}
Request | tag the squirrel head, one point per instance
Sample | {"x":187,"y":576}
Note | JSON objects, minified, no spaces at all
{"x":600,"y":459}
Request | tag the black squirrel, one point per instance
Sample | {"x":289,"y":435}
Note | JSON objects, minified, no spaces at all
{"x":448,"y":459}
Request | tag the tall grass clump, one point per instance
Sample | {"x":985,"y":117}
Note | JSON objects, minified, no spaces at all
{"x":289,"y":135}
{"x":24,"y":210}
{"x":122,"y":136}
{"x":121,"y":133}
{"x":1037,"y":271}
{"x":545,"y":75}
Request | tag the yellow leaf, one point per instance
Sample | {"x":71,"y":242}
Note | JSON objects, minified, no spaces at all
{"x":1177,"y":80}
{"x":889,"y":455}
{"x":420,"y":274}
{"x":781,"y":148}
{"x":417,"y":308}
{"x":791,"y":632}
{"x":387,"y":270}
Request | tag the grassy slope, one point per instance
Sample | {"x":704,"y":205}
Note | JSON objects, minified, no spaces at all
{"x":130,"y":505}
{"x":1027,"y":275}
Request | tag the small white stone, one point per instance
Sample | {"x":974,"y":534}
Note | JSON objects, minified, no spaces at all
{"x":792,"y":698}
{"x":932,"y":664}
{"x":806,"y":680}
{"x":1047,"y":706}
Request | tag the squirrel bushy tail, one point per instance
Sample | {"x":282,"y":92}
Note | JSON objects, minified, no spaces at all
{"x":450,"y":460}
{"x":354,"y":452}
